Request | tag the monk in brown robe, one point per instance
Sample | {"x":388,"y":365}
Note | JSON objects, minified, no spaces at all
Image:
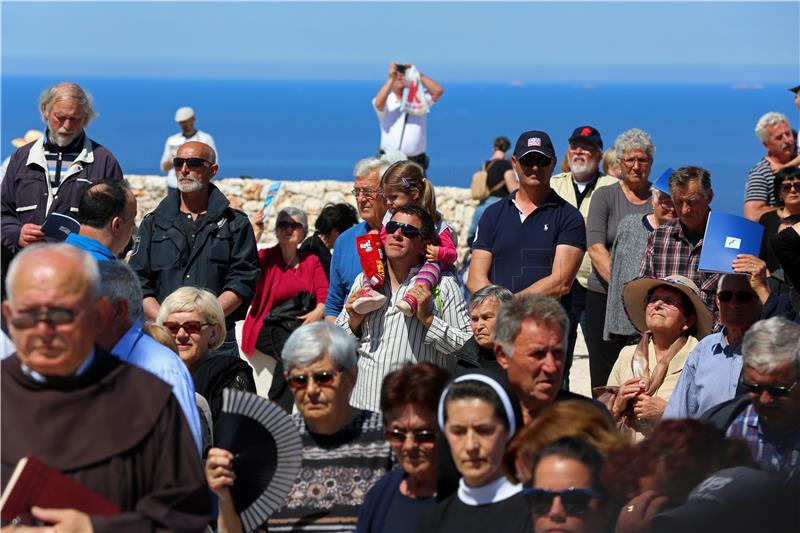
{"x":108,"y":425}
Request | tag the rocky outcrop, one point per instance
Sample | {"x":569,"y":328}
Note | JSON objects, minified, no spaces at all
{"x":455,"y":203}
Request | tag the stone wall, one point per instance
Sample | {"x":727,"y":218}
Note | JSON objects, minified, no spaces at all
{"x":455,"y":203}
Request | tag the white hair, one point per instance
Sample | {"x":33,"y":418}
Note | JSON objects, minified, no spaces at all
{"x":772,"y":344}
{"x":67,"y":90}
{"x":89,"y":265}
{"x":308,"y":343}
{"x":768,"y":120}
{"x":118,"y":281}
{"x":633,"y":139}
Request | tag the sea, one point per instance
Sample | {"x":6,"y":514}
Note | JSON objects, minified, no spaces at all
{"x":314,"y":130}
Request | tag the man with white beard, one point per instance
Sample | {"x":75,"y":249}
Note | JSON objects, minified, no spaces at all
{"x":584,"y":155}
{"x":195,"y":238}
{"x":51,"y":174}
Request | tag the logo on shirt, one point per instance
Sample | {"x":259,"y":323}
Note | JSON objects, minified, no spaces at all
{"x":733,"y":242}
{"x":534,"y":141}
{"x":545,"y":227}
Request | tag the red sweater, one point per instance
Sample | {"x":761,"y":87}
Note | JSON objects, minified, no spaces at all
{"x":278,"y":283}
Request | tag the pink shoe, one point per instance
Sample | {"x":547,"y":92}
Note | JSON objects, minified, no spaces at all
{"x":368,"y":300}
{"x":408,"y":305}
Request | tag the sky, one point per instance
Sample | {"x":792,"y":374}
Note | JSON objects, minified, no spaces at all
{"x":740,"y":42}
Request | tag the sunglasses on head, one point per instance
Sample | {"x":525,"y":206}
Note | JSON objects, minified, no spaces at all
{"x":288,"y":224}
{"x":322,"y":379}
{"x":776,"y":391}
{"x":193,"y":327}
{"x":408,"y":231}
{"x":419,"y":436}
{"x":191,"y":162}
{"x":535,"y":160}
{"x":54,"y":317}
{"x":575,"y":501}
{"x":743,"y":297}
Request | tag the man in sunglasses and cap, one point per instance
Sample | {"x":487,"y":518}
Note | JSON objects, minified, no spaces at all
{"x":532,"y":241}
{"x":711,"y":373}
{"x":195,"y":238}
{"x":767,"y":416}
{"x":387,"y":338}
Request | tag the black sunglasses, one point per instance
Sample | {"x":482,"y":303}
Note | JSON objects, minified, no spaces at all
{"x":408,"y":231}
{"x":192,"y":327}
{"x":191,"y":162}
{"x":786,"y":187}
{"x":54,"y":317}
{"x":287,"y":224}
{"x":575,"y":501}
{"x":743,"y":297}
{"x":419,"y":436}
{"x":776,"y":391}
{"x":300,"y":381}
{"x":535,"y":160}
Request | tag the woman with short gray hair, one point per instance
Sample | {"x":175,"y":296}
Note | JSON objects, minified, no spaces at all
{"x":478,"y":351}
{"x":610,"y":204}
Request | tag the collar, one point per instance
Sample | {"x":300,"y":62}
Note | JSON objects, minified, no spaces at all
{"x":498,"y":490}
{"x":40,"y":378}
{"x":550,"y":200}
{"x":125,"y":345}
{"x":36,"y":153}
{"x":722,"y":346}
{"x":75,"y":146}
{"x":170,"y":206}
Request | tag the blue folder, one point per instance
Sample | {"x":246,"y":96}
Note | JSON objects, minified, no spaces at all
{"x":726,"y":237}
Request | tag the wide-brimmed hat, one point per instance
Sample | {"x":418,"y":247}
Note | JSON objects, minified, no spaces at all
{"x":29,"y":137}
{"x":634,"y":296}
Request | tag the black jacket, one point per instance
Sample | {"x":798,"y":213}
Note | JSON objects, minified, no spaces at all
{"x":222,"y":258}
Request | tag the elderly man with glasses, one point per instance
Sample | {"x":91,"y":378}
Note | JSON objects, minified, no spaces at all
{"x":345,"y":263}
{"x":767,"y":417}
{"x":195,"y":238}
{"x":387,"y":338}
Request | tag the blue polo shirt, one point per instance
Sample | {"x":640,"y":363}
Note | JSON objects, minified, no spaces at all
{"x":523,"y":250}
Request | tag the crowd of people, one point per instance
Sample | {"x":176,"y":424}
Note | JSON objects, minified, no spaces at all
{"x":424,"y":400}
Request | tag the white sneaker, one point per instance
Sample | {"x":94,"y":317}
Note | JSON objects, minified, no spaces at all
{"x":368,"y":300}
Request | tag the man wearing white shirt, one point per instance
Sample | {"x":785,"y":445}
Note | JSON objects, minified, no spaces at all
{"x":399,"y":130}
{"x":185,"y":117}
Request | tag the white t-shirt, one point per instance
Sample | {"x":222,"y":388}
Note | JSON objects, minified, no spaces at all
{"x":415,"y":136}
{"x":171,"y":148}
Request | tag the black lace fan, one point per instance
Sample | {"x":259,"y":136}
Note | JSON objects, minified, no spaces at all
{"x":267,"y":453}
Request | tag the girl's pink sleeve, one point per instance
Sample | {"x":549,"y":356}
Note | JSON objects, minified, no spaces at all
{"x":383,"y":235}
{"x":447,"y":249}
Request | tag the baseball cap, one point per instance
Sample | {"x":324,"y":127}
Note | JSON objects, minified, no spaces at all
{"x":795,"y":89}
{"x":183,"y":113}
{"x":588,"y":134}
{"x":534,"y":141}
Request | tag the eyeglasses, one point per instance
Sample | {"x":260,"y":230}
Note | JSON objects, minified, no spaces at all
{"x":575,"y":501}
{"x":535,"y":160}
{"x":287,"y":224}
{"x":786,"y":187}
{"x":408,"y":231}
{"x":193,"y":327}
{"x":776,"y":391}
{"x":631,"y":161}
{"x":742,"y":297}
{"x":55,"y":317}
{"x":323,"y":379}
{"x":191,"y":162}
{"x":665,"y":300}
{"x":419,"y":436}
{"x":367,"y":192}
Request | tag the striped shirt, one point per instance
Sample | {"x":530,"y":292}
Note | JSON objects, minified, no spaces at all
{"x":389,"y":339}
{"x":772,"y":454}
{"x":59,"y":158}
{"x":760,"y":184}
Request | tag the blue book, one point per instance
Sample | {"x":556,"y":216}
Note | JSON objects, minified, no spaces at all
{"x":662,"y":183}
{"x":56,"y":226}
{"x":726,"y":237}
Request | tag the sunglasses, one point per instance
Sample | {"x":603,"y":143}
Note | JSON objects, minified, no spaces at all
{"x":776,"y":391}
{"x":193,"y":327}
{"x":54,"y":317}
{"x":535,"y":160}
{"x":786,"y":187}
{"x":575,"y":501}
{"x":191,"y":162}
{"x":419,"y":436}
{"x":742,"y":297}
{"x":286,"y":224}
{"x":408,"y":231}
{"x":323,"y":379}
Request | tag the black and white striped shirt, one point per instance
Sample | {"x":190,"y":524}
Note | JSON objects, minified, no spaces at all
{"x":760,"y":184}
{"x":389,"y":339}
{"x":59,"y":158}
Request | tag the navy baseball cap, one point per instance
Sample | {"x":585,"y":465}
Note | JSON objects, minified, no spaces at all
{"x":534,"y":141}
{"x":795,"y":89}
{"x":588,"y":134}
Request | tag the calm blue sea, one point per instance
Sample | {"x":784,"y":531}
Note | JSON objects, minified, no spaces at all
{"x":318,"y":130}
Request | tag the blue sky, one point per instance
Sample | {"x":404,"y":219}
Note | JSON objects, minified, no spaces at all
{"x":745,"y":42}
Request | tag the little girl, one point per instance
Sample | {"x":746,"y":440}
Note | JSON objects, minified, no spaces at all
{"x":402,"y":184}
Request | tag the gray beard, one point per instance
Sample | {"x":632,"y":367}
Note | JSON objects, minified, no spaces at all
{"x":62,"y":140}
{"x":582,"y":171}
{"x":192,"y":187}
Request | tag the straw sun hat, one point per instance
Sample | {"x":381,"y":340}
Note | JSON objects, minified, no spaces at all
{"x":30,"y":136}
{"x":634,"y":296}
